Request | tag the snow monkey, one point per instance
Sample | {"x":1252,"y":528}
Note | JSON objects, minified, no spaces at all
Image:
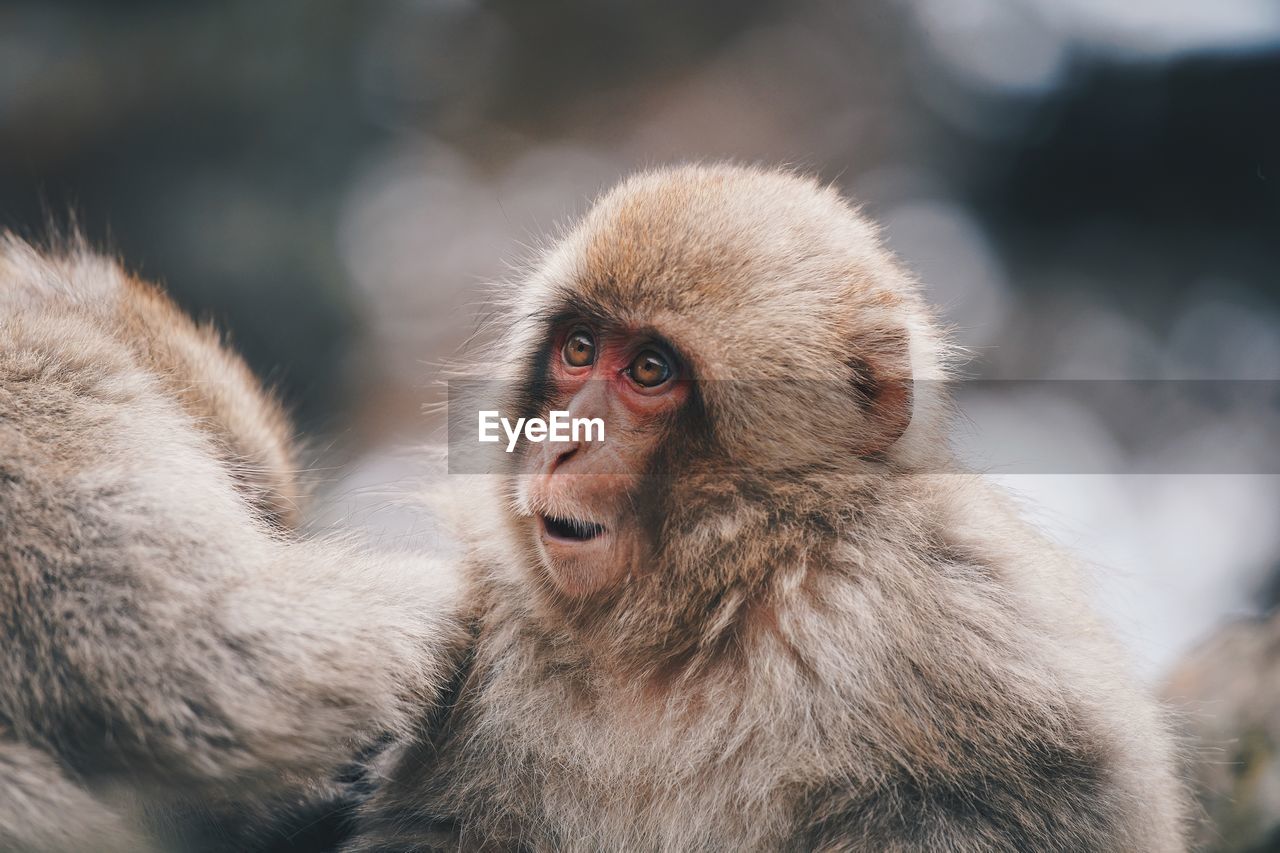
{"x":768,"y":611}
{"x":168,"y":647}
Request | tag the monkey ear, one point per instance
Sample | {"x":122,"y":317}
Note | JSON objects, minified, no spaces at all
{"x":881,"y":381}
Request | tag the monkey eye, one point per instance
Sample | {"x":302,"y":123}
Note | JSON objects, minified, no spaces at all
{"x":649,"y":369}
{"x":579,"y":349}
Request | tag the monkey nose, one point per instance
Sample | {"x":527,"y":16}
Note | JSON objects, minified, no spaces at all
{"x":562,"y":455}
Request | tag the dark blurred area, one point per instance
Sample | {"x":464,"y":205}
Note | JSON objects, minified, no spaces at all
{"x":223,"y":147}
{"x":1089,"y":190}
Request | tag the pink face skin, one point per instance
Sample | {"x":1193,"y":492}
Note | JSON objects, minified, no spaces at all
{"x":577,"y":495}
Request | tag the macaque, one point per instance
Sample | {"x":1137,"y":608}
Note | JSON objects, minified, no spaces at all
{"x":769,"y":611}
{"x":175,"y":661}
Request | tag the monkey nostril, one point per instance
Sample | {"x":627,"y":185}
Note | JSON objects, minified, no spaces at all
{"x":571,"y":529}
{"x":562,"y":458}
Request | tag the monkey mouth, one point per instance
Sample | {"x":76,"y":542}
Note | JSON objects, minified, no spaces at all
{"x":571,"y":529}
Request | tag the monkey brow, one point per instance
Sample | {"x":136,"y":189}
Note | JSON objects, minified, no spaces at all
{"x":571,"y":308}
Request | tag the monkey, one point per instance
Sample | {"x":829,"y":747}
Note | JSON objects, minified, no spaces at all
{"x":177,"y":659}
{"x":770,"y":610}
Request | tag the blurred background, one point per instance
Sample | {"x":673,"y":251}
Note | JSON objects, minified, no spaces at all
{"x":1090,"y":189}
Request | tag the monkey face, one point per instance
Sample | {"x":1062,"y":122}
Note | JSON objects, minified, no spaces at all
{"x":584,"y":500}
{"x":739,"y":333}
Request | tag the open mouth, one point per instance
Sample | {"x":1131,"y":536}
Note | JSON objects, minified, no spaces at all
{"x":571,"y":529}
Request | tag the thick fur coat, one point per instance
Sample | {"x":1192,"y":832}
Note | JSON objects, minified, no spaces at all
{"x":839,"y":642}
{"x":168,"y":647}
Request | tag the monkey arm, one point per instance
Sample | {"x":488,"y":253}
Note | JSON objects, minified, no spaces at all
{"x":156,"y":634}
{"x":286,"y":665}
{"x":42,"y":808}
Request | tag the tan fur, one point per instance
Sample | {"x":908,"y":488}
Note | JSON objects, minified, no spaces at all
{"x":830,"y":649}
{"x":167,"y":644}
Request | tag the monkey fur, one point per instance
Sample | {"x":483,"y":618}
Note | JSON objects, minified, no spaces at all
{"x":170,"y":647}
{"x":836,"y":639}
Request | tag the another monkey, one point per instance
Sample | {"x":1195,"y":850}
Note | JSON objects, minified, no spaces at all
{"x":768,"y":612}
{"x":170,"y":654}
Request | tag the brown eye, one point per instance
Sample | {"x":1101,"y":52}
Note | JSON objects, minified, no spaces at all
{"x":650,"y":369}
{"x":579,"y":349}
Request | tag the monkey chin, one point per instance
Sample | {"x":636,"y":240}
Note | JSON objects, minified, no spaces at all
{"x":580,"y":558}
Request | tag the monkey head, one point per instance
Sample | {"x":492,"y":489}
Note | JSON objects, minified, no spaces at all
{"x":745,"y":341}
